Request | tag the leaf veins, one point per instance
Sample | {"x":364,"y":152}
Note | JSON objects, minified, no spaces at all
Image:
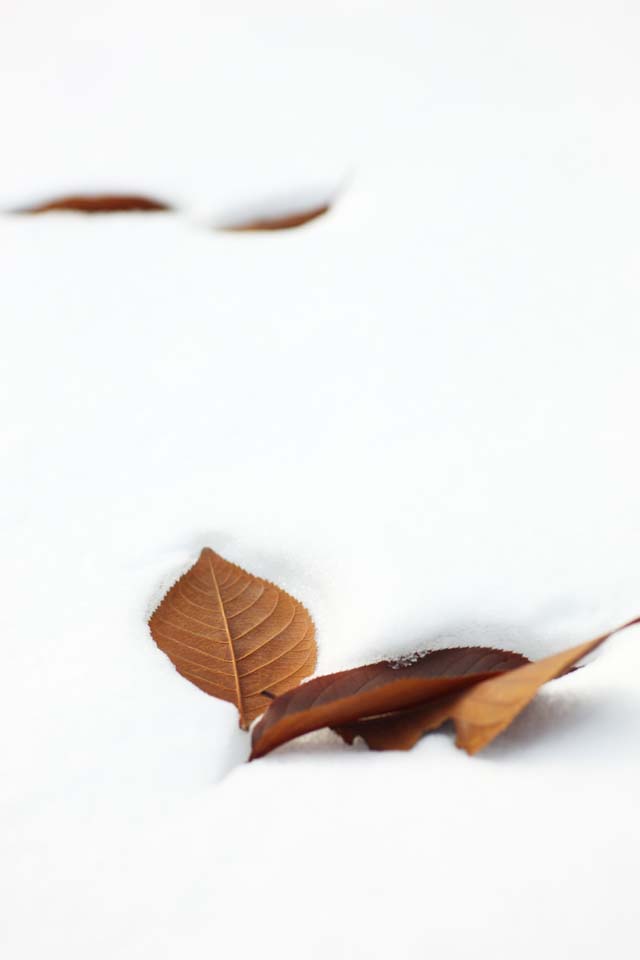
{"x":377,"y":688}
{"x":234,"y":635}
{"x":392,"y":713}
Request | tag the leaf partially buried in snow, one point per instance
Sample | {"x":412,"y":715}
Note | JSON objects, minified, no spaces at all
{"x":377,"y":688}
{"x":283,"y":221}
{"x":489,"y":708}
{"x":480,"y":709}
{"x":234,"y":635}
{"x":99,"y":203}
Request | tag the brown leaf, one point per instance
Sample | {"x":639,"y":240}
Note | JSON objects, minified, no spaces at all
{"x":489,"y":708}
{"x":402,"y":729}
{"x":282,"y":222}
{"x":480,"y":713}
{"x":340,"y":698}
{"x":99,"y":203}
{"x":234,"y":635}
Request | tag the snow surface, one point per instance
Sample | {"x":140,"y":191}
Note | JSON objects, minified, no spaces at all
{"x":418,"y":414}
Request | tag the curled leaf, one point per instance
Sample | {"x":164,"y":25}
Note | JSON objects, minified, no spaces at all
{"x":234,"y":635}
{"x":479,"y":713}
{"x":99,"y":203}
{"x":489,"y":708}
{"x":377,"y":688}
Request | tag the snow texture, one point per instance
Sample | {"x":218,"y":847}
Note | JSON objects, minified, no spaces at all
{"x":418,"y":414}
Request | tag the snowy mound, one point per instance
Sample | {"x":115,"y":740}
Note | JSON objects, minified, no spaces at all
{"x":417,"y":414}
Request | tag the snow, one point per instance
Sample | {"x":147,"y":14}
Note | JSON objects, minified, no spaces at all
{"x":418,"y":414}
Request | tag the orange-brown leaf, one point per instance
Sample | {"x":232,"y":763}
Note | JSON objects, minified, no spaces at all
{"x":99,"y":203}
{"x":489,"y":708}
{"x":377,"y":688}
{"x":234,"y":635}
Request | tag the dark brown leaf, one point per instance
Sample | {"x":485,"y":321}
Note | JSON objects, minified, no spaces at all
{"x":99,"y":203}
{"x":402,"y":729}
{"x":234,"y":635}
{"x":377,"y":688}
{"x":480,"y":713}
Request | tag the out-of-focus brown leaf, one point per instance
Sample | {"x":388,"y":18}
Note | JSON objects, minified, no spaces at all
{"x":341,"y":698}
{"x":99,"y":203}
{"x":284,"y":221}
{"x":480,"y":713}
{"x":234,"y":635}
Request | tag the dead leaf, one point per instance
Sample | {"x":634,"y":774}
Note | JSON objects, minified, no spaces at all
{"x":479,"y":713}
{"x":234,"y":634}
{"x":400,"y":730}
{"x":340,"y":698}
{"x":99,"y":203}
{"x":489,"y":708}
{"x":284,"y":221}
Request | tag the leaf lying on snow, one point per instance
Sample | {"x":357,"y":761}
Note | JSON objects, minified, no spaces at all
{"x":234,"y":635}
{"x":99,"y":203}
{"x":393,"y":714}
{"x":376,"y":688}
{"x":479,"y":713}
{"x":285,"y":221}
{"x":490,"y":707}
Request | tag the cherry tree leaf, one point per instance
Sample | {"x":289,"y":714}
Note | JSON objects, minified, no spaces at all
{"x":234,"y":634}
{"x":377,"y":688}
{"x":479,"y":713}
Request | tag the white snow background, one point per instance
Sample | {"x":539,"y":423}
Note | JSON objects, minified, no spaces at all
{"x":418,"y":414}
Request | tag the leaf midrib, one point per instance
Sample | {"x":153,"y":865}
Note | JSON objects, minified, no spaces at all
{"x":236,"y":679}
